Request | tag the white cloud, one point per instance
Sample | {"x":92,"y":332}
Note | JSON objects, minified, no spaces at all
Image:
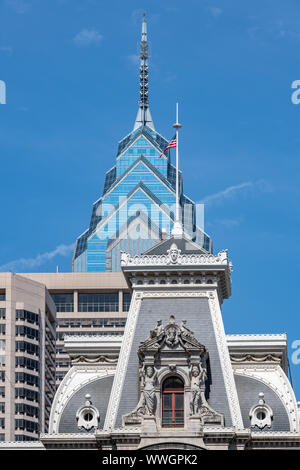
{"x":87,"y":37}
{"x":228,"y":222}
{"x":215,"y":11}
{"x":225,"y":223}
{"x":29,"y":263}
{"x":170,"y":78}
{"x":6,"y":49}
{"x":133,"y":59}
{"x":226,"y":192}
{"x":231,"y":191}
{"x":273,"y":29}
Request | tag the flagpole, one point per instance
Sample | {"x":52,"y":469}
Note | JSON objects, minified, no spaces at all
{"x":177,"y":228}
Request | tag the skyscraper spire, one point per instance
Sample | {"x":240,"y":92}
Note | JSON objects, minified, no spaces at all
{"x":143,"y":117}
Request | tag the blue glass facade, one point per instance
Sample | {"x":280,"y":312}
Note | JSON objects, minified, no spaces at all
{"x":136,"y":207}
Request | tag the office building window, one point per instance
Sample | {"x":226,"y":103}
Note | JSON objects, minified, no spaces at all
{"x":102,"y":302}
{"x":28,"y":363}
{"x":92,"y":323}
{"x":2,"y":392}
{"x":2,"y":313}
{"x":21,"y":437}
{"x":27,"y":425}
{"x":22,"y":330}
{"x":24,"y":346}
{"x":29,"y":379}
{"x":2,"y":352}
{"x":2,"y":296}
{"x":126,"y":301}
{"x":28,"y":410}
{"x":30,"y":317}
{"x":63,"y":302}
{"x":30,"y":395}
{"x":62,"y":334}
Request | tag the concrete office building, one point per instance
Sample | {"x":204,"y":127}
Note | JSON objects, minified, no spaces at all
{"x":86,"y":304}
{"x":27,"y":357}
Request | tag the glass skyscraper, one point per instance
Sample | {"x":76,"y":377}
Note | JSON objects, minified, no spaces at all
{"x":137,"y":207}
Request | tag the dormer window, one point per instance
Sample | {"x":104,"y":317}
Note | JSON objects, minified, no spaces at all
{"x":88,"y":416}
{"x":261,"y":414}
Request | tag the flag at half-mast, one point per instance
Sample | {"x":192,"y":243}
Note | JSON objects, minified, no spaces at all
{"x":170,"y":145}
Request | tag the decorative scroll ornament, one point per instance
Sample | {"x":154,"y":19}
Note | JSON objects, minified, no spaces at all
{"x":255,"y":357}
{"x":94,"y":360}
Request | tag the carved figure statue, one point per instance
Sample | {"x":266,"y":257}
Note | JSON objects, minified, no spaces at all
{"x":198,"y":378}
{"x":157,"y":330}
{"x":146,"y":404}
{"x":185,"y":330}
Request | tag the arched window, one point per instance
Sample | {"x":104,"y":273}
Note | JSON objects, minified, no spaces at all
{"x":173,"y":403}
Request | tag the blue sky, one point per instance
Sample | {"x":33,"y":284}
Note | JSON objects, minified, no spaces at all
{"x":71,"y":73}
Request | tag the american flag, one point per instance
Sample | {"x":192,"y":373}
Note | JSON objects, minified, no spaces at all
{"x":170,"y":145}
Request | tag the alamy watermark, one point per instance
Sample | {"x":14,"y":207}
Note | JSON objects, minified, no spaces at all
{"x":2,"y":92}
{"x":296,"y":354}
{"x":136,"y":220}
{"x":296,"y":94}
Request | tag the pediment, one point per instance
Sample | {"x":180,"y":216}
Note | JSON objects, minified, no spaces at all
{"x":172,"y":337}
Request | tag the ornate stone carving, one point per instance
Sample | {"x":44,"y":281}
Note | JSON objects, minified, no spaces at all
{"x":94,"y":360}
{"x":174,"y":256}
{"x":255,"y":357}
{"x":171,"y":335}
{"x":173,"y":349}
{"x":173,"y":253}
